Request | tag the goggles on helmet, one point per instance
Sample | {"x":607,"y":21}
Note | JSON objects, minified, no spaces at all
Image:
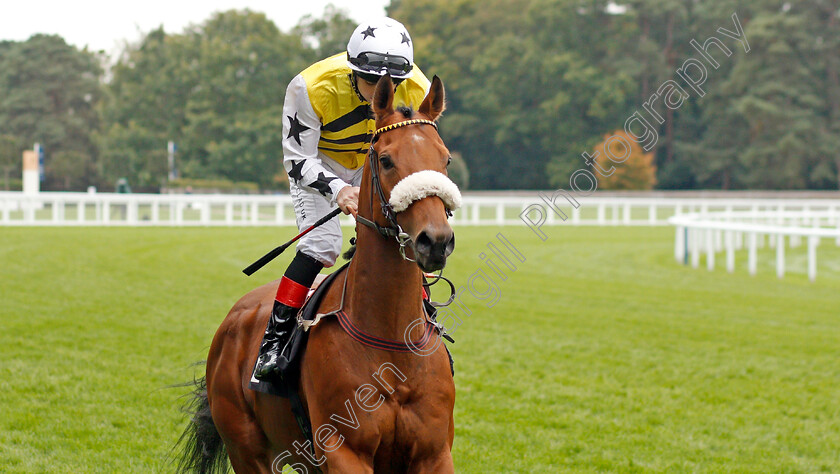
{"x":382,"y":63}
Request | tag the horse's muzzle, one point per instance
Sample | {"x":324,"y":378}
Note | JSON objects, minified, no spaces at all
{"x":432,"y":247}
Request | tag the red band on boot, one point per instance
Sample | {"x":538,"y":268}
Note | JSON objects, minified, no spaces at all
{"x":291,"y":293}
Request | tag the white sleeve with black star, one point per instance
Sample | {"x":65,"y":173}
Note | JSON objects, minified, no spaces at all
{"x":301,"y":133}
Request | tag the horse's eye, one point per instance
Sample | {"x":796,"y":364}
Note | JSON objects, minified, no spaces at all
{"x":386,"y":162}
{"x":448,"y":161}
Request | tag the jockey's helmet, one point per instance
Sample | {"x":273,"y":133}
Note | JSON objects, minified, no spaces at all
{"x":379,"y":46}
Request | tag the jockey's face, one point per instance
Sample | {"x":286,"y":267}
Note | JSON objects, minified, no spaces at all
{"x":365,"y":88}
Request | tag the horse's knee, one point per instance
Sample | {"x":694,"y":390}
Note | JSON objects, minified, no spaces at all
{"x":347,"y":461}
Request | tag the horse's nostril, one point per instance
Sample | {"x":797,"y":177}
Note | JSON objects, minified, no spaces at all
{"x":423,"y":244}
{"x":450,"y":245}
{"x":439,"y":246}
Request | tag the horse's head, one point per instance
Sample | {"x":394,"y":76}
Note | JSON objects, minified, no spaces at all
{"x":409,"y":160}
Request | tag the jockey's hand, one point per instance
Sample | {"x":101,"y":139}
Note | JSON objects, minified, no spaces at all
{"x":348,"y":200}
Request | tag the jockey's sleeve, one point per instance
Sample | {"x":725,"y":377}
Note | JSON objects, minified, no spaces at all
{"x":301,"y":133}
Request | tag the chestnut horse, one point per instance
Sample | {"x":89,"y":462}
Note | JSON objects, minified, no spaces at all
{"x":371,"y":410}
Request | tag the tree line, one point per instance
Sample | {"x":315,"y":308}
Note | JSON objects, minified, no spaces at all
{"x":532,"y":86}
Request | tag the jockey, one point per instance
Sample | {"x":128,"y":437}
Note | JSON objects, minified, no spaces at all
{"x":328,"y":124}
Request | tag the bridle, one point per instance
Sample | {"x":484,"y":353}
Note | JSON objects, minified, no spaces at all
{"x":393,"y":229}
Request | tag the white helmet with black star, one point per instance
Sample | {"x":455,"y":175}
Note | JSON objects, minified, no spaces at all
{"x":380,"y":46}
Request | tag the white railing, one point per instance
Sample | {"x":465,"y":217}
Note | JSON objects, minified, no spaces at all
{"x":715,"y":232}
{"x":107,"y":209}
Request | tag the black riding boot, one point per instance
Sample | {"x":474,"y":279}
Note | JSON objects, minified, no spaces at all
{"x":291,"y":293}
{"x":277,"y":333}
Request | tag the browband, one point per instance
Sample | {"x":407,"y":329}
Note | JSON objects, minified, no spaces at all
{"x":403,"y":124}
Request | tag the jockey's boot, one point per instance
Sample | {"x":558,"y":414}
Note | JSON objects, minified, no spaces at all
{"x":291,"y":294}
{"x":280,"y":326}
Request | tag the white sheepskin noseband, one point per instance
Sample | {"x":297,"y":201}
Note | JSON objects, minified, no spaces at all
{"x":421,"y":184}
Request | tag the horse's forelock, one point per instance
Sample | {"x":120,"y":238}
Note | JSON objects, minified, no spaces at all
{"x":407,"y":112}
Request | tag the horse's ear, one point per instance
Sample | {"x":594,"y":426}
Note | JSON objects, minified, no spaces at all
{"x":383,"y":97}
{"x":434,"y":103}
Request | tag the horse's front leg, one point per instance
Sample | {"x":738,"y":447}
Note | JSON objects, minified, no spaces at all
{"x":440,"y":464}
{"x":345,"y":460}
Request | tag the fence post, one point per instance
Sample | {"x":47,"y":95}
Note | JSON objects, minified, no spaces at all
{"x":229,"y":212}
{"x":780,"y":255}
{"x":56,"y":214}
{"x":278,"y":212}
{"x":679,"y":244}
{"x":710,"y":249}
{"x":752,"y":252}
{"x":131,"y":212}
{"x":205,"y":212}
{"x":730,"y":251}
{"x":695,"y":247}
{"x":812,"y":257}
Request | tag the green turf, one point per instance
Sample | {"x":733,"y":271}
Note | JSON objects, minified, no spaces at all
{"x":602,"y":353}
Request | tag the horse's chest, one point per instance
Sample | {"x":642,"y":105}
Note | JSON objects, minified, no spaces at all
{"x":418,"y":422}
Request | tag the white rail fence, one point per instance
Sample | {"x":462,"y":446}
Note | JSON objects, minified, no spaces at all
{"x":703,"y":224}
{"x":108,"y":209}
{"x":729,"y":231}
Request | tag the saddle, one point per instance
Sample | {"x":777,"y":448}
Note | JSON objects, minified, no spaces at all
{"x":286,"y":384}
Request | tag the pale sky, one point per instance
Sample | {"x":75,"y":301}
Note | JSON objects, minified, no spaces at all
{"x":106,"y":25}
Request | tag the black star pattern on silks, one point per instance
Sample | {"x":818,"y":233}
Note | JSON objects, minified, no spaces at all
{"x":405,"y":39}
{"x":295,"y":128}
{"x":296,"y":172}
{"x":322,"y":184}
{"x":368,"y":32}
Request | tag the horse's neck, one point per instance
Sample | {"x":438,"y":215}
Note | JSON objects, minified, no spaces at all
{"x":385,"y":294}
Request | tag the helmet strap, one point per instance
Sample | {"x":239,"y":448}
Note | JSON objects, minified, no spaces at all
{"x":353,"y":79}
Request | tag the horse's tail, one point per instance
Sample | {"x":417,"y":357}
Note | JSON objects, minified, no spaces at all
{"x":202,"y":449}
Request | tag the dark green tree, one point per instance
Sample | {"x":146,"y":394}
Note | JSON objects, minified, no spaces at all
{"x":531,"y":84}
{"x":10,"y":157}
{"x":216,"y":90}
{"x":327,"y":34}
{"x":48,"y":94}
{"x":770,"y":121}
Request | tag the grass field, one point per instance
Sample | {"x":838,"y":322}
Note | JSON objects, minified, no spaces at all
{"x":602,"y":353}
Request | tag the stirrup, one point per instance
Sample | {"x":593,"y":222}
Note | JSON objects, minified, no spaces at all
{"x":266,"y":365}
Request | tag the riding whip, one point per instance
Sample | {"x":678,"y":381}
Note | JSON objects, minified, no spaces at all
{"x":277,"y":251}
